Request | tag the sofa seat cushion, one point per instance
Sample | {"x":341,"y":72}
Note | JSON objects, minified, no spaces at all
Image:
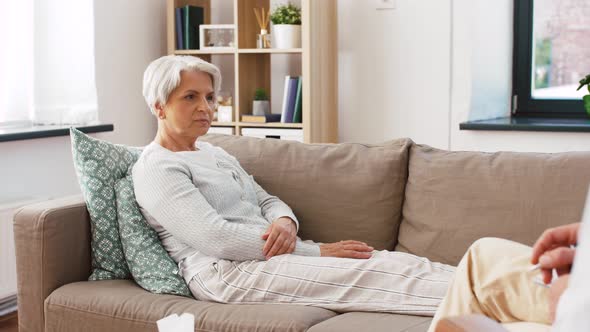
{"x":375,"y":322}
{"x":337,"y":191}
{"x":454,"y":198}
{"x":121,"y":305}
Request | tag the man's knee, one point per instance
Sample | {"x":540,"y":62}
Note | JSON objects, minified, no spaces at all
{"x":489,"y":244}
{"x":491,"y":248}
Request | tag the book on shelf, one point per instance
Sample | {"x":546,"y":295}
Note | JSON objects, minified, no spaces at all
{"x":289,"y":98}
{"x":284,"y":105}
{"x":298,"y":104}
{"x":193,"y":17}
{"x":261,"y":118}
{"x":178,"y":18}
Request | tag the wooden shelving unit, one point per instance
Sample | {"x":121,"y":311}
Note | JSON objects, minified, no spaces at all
{"x":252,"y":67}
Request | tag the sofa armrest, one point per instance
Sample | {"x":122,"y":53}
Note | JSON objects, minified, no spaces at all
{"x":468,"y":323}
{"x":52,"y":245}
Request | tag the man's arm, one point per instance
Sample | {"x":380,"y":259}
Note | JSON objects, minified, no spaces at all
{"x":572,"y":308}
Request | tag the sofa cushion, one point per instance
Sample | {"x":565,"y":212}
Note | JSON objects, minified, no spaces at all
{"x":120,"y":305}
{"x":337,"y":191}
{"x":368,"y":321}
{"x":98,"y":165}
{"x":455,"y":198}
{"x":150,"y":265}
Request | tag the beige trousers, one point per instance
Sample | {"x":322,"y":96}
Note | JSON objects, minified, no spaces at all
{"x":494,"y":279}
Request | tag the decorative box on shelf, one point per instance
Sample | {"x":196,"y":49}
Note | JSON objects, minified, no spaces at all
{"x":217,"y":37}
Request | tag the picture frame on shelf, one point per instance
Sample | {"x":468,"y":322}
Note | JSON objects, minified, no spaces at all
{"x":217,"y":37}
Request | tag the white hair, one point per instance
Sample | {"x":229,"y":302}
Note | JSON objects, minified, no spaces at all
{"x":163,"y":75}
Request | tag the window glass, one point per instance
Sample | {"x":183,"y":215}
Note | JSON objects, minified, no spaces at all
{"x":561,"y":48}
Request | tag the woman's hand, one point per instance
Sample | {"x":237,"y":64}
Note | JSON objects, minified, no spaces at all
{"x":346,"y":249}
{"x":280,"y":237}
{"x":552,"y":250}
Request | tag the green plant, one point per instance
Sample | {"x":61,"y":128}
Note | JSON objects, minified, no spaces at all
{"x":260,"y":94}
{"x":286,"y":14}
{"x":586,"y":82}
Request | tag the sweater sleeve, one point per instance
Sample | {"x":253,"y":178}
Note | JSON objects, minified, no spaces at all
{"x":165,"y":190}
{"x":273,"y":208}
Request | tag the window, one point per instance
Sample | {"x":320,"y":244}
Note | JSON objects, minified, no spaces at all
{"x":47,"y":63}
{"x":551,"y":55}
{"x":16,"y":76}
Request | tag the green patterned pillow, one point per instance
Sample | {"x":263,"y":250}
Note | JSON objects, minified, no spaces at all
{"x":99,"y":165}
{"x":151,"y":266}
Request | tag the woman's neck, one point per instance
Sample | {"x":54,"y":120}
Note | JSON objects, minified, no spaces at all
{"x":175,"y":144}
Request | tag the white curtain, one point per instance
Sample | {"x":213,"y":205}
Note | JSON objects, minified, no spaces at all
{"x":47,"y":62}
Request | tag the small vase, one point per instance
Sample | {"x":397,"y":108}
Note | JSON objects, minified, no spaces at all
{"x":586,"y":99}
{"x":260,"y":107}
{"x":263,"y":41}
{"x":286,"y":36}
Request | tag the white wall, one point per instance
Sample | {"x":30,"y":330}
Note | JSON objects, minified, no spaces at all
{"x":394,"y":71}
{"x":482,"y":80}
{"x":421,"y":69}
{"x":129,"y":34}
{"x":396,"y":80}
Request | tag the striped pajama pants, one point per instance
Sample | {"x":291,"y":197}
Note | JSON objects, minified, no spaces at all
{"x":392,"y":282}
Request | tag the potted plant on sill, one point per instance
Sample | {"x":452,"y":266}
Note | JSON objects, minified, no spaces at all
{"x":260,"y":105}
{"x":586,"y":82}
{"x":286,"y":20}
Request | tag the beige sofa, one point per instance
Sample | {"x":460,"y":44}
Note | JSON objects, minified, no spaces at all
{"x":397,"y":195}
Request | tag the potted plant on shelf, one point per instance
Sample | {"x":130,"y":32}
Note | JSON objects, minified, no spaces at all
{"x":260,"y":105}
{"x":586,"y":81}
{"x":286,"y":20}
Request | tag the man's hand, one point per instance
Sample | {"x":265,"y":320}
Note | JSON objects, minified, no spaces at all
{"x":346,"y":249}
{"x":552,"y":250}
{"x":280,"y":237}
{"x":555,"y":292}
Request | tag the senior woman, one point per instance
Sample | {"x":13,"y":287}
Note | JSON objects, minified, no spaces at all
{"x":235,"y":243}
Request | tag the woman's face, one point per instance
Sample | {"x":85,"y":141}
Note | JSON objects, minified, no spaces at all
{"x":189,"y":109}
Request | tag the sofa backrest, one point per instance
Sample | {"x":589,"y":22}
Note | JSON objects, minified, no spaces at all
{"x":455,"y":198}
{"x":337,"y":191}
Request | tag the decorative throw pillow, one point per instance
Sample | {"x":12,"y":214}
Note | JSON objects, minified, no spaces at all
{"x":99,"y":165}
{"x":149,"y":263}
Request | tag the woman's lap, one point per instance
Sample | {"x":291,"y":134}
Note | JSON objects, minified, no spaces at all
{"x":388,"y":282}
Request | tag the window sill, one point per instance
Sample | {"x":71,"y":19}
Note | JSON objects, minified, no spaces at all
{"x":528,"y":124}
{"x":32,"y":132}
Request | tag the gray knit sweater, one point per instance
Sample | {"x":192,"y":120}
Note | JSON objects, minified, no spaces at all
{"x":205,"y":207}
